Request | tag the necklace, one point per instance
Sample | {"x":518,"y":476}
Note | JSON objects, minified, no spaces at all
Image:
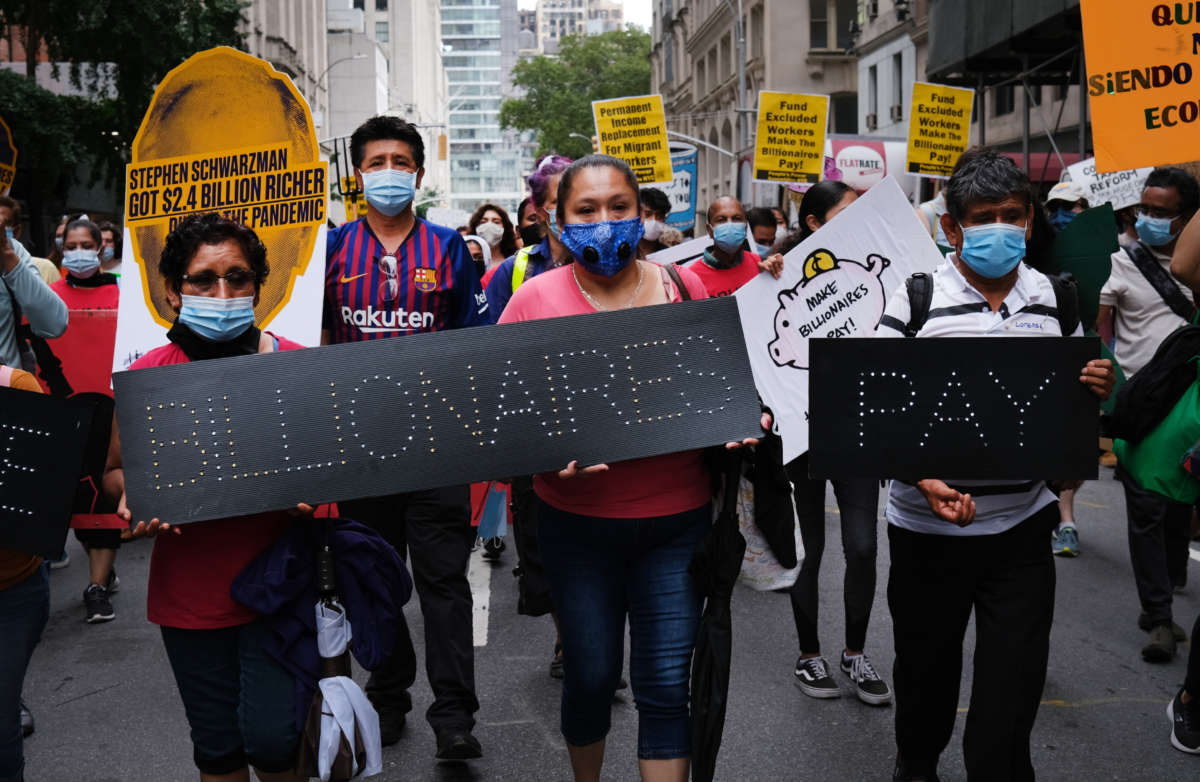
{"x":592,"y":300}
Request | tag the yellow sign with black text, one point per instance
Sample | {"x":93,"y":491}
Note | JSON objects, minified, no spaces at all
{"x":356,"y":204}
{"x":8,"y":159}
{"x":789,"y":145}
{"x":939,"y":128}
{"x":226,"y":132}
{"x":635,"y":130}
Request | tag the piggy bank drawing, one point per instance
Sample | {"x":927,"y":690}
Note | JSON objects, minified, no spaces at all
{"x":836,"y":298}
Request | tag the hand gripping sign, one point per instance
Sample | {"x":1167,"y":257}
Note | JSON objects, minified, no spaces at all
{"x":835,"y":283}
{"x":225,"y":132}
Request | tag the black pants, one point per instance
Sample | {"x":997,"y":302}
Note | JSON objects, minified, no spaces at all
{"x":1159,"y":531}
{"x":858,"y":506}
{"x":432,"y":530}
{"x":1192,"y":682}
{"x":533,"y":592}
{"x":935,"y":582}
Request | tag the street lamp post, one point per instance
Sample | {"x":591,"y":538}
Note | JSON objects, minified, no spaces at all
{"x":340,"y":60}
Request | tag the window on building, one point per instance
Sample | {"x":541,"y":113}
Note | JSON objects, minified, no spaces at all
{"x":381,"y":32}
{"x":845,"y":12}
{"x":898,"y":80}
{"x":873,"y":90}
{"x":845,"y":113}
{"x":1005,"y":100}
{"x":669,"y":60}
{"x":359,"y":4}
{"x":1036,"y":91}
{"x":818,"y":24}
{"x":701,"y":87}
{"x":756,"y":31}
{"x":380,"y":5}
{"x":726,"y":59}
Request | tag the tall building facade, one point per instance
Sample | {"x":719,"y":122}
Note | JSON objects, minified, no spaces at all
{"x":290,"y":34}
{"x":479,"y":47}
{"x":790,"y":46}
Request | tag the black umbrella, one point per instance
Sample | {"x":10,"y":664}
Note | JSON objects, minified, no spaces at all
{"x":715,"y":569}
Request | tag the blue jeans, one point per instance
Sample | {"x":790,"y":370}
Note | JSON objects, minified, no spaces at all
{"x":24,"y":609}
{"x":240,"y":703}
{"x":599,"y":570}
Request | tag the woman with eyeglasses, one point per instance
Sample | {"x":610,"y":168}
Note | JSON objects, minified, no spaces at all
{"x":616,"y":540}
{"x":238,"y":700}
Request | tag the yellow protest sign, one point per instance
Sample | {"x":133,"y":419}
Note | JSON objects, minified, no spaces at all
{"x":225,"y":132}
{"x":789,"y":145}
{"x":939,"y":127}
{"x":356,"y":205}
{"x":8,"y":159}
{"x":635,"y":130}
{"x":1141,"y":61}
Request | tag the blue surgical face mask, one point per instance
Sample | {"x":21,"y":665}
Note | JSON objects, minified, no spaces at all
{"x":993,"y":250}
{"x":106,"y":254}
{"x":389,"y":190}
{"x":763,"y":250}
{"x":216,"y":319}
{"x":1061,"y":218}
{"x":81,"y":263}
{"x":603,"y":248}
{"x":552,"y":222}
{"x":1154,"y":231}
{"x":729,"y":236}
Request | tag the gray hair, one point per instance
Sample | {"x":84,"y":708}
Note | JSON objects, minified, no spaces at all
{"x":986,"y":176}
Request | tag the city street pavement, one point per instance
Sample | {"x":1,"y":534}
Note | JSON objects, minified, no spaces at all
{"x":107,"y":709}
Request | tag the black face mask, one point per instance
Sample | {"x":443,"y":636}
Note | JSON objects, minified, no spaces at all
{"x":480,"y":267}
{"x":531,"y":235}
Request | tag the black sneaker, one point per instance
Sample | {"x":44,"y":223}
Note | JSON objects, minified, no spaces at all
{"x":97,"y":606}
{"x":870,"y":688}
{"x":1147,"y":624}
{"x":113,"y":584}
{"x":1161,"y":646}
{"x":813,"y":679}
{"x":556,"y":663}
{"x":492,"y":547}
{"x":457,"y":745}
{"x":1185,"y":724}
{"x":26,"y":720}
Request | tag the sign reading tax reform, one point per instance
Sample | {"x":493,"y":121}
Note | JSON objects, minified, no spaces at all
{"x":230,"y":437}
{"x":635,"y":130}
{"x":939,"y":127}
{"x":790,"y":143}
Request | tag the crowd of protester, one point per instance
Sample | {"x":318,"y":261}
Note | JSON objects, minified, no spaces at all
{"x":602,"y":545}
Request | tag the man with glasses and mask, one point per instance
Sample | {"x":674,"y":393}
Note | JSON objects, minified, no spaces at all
{"x":957,"y":548}
{"x":391,"y":274}
{"x":1140,"y":305}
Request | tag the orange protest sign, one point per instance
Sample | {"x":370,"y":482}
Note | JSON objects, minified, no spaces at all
{"x":1142,"y":58}
{"x":8,"y":159}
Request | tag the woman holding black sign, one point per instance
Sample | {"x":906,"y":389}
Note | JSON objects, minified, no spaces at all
{"x":617,"y":539}
{"x":238,"y":700}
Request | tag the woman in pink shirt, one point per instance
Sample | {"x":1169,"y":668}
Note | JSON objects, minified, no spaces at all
{"x":617,"y":539}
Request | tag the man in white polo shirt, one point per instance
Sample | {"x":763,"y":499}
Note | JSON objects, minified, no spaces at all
{"x":980,"y":546}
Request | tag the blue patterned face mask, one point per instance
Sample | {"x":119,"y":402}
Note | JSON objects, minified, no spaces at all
{"x":603,"y":248}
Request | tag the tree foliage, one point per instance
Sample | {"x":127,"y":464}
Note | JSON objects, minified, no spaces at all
{"x":559,"y":90}
{"x":116,"y":52}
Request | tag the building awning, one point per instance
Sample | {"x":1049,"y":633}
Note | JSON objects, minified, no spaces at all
{"x":990,"y":41}
{"x":1043,"y":166}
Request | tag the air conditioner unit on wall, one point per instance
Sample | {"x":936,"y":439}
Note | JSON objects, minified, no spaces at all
{"x":872,"y":122}
{"x":897,"y":112}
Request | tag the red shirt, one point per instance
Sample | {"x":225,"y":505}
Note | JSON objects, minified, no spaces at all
{"x":86,"y":347}
{"x":723,"y":282}
{"x":190,"y":573}
{"x":101,"y":297}
{"x":639,"y":488}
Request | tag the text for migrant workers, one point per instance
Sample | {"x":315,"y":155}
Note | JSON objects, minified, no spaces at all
{"x":256,"y":187}
{"x":938,"y":131}
{"x":791,"y":141}
{"x":632,"y":132}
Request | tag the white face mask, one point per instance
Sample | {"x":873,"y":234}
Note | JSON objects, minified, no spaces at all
{"x":781,"y":232}
{"x":652,"y":229}
{"x":490,"y":233}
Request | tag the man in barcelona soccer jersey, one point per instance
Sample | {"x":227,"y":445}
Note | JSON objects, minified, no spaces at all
{"x":391,"y":274}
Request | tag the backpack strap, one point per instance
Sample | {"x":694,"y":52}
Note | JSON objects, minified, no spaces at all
{"x":1161,"y":281}
{"x":520,"y":266}
{"x":1066,"y":301}
{"x":920,"y":297}
{"x":673,"y":273}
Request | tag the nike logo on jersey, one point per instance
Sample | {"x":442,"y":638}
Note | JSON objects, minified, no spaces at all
{"x":346,"y":279}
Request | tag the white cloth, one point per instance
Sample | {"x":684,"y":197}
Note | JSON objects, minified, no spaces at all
{"x":344,"y":706}
{"x":958,"y":310}
{"x":1141,"y":319}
